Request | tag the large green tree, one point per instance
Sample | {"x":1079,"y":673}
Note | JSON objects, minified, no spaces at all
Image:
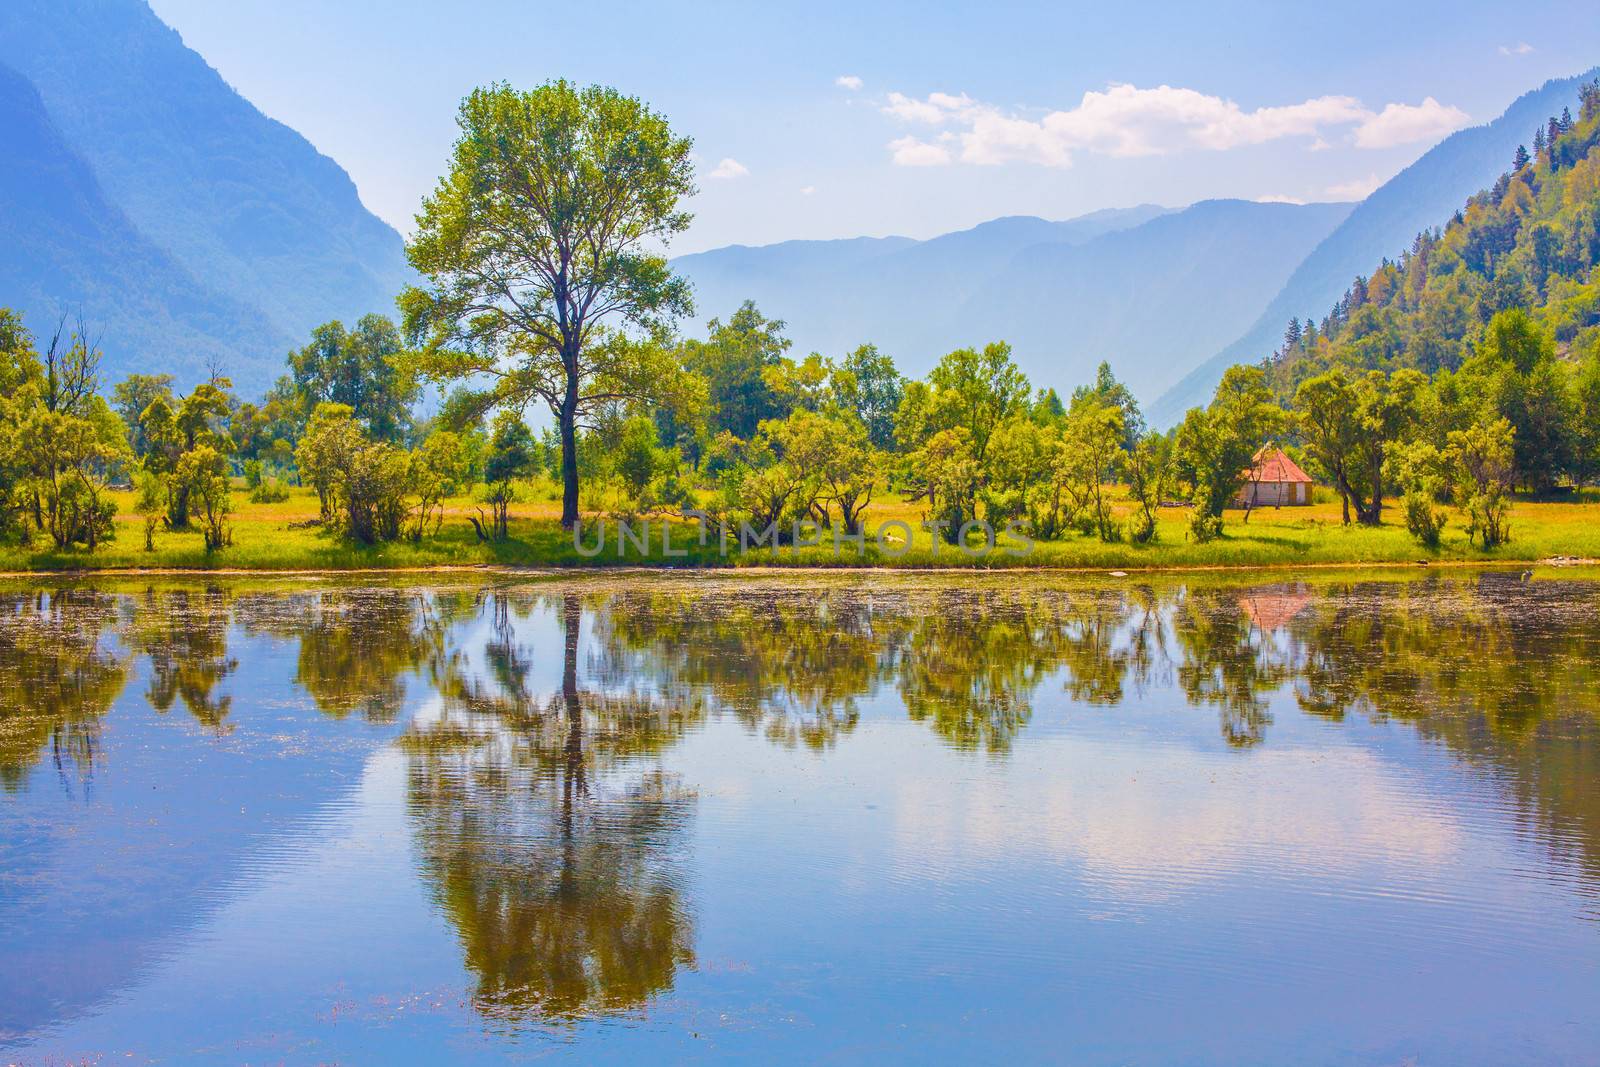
{"x":868,"y":383}
{"x":542,"y":252}
{"x":1517,"y":376}
{"x":736,"y":360}
{"x":1350,"y":428}
{"x":363,"y":368}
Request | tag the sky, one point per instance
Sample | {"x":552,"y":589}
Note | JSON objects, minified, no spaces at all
{"x":823,"y":120}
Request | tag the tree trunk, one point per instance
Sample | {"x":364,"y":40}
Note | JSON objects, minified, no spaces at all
{"x":1374,"y":516}
{"x":572,"y":784}
{"x":568,"y":419}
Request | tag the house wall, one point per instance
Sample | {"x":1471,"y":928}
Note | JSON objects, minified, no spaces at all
{"x":1275,"y":495}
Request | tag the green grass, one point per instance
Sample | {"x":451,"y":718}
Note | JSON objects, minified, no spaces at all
{"x":268,"y":537}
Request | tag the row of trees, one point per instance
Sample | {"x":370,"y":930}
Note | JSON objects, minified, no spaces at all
{"x":544,"y":283}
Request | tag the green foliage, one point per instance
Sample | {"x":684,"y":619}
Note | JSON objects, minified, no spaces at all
{"x":563,"y":197}
{"x":364,"y":369}
{"x":637,"y":457}
{"x":1021,"y":482}
{"x":976,"y":390}
{"x":1090,"y":454}
{"x":836,"y":450}
{"x":867,"y":384}
{"x":1483,"y":456}
{"x":512,"y":456}
{"x":1217,"y":445}
{"x":325,"y":451}
{"x":1422,"y":472}
{"x":203,"y":474}
{"x":735,"y":361}
{"x":130,"y":398}
{"x":1487,"y":306}
{"x":437,"y":470}
{"x":1108,"y":392}
{"x":150,"y":503}
{"x":1349,"y":426}
{"x":1424,"y":518}
{"x":1148,"y":467}
{"x":373,"y":491}
{"x":269,"y":490}
{"x":952,"y":469}
{"x":60,"y":442}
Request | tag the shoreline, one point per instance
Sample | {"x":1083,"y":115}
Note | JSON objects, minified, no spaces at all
{"x":769,"y":570}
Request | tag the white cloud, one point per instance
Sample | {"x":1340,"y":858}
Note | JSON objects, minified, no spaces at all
{"x":1521,"y":48}
{"x":729,"y":168}
{"x":938,"y":108}
{"x":910,"y":152}
{"x":848,"y":81}
{"x":1124,"y":120}
{"x":1405,"y":124}
{"x":1356,"y":189}
{"x":1278,"y":198}
{"x":807,"y":190}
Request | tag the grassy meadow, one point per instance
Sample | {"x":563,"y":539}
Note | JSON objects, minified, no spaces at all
{"x":280,"y":537}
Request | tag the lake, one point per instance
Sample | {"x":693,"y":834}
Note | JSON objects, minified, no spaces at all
{"x":640,"y":818}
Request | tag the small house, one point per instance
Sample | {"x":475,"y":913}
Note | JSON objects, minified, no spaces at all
{"x":1274,"y":481}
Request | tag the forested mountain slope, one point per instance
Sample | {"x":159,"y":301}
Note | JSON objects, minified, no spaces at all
{"x":1420,"y":196}
{"x":1530,"y":241}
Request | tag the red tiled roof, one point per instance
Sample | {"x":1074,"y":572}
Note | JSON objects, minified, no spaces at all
{"x":1272,"y":465}
{"x":1274,"y":608}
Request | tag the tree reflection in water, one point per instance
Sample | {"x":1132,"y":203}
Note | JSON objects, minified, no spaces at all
{"x":184,"y":634}
{"x":59,"y":673}
{"x":548,"y":833}
{"x":553,"y":839}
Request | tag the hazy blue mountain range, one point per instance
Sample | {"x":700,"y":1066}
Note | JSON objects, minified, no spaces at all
{"x":269,"y":235}
{"x":1152,"y":289}
{"x":1421,"y":196}
{"x":65,"y":247}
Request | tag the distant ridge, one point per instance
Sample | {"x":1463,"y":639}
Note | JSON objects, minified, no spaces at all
{"x":243,"y":204}
{"x":69,"y":250}
{"x":1421,"y":196}
{"x":1150,"y":288}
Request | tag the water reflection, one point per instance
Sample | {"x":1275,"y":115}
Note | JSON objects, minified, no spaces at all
{"x":59,"y":673}
{"x":536,"y":722}
{"x":548,"y":837}
{"x":184,"y":634}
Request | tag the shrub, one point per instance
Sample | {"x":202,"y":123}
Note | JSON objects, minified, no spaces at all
{"x":150,"y":503}
{"x":1482,"y":455}
{"x":373,"y":489}
{"x":1424,"y":519}
{"x":436,"y":468}
{"x":269,"y":490}
{"x":203,"y":473}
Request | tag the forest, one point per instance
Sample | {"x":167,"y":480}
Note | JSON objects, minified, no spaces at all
{"x":1454,"y":387}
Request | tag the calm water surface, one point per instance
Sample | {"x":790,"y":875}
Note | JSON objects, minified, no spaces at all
{"x":887,"y":819}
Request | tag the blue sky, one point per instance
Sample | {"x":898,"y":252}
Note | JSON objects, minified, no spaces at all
{"x":829,"y":116}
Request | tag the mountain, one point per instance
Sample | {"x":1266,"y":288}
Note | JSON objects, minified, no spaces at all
{"x":67,"y":247}
{"x":243,"y":204}
{"x":1529,"y":243}
{"x":1421,"y":196}
{"x":1152,"y":289}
